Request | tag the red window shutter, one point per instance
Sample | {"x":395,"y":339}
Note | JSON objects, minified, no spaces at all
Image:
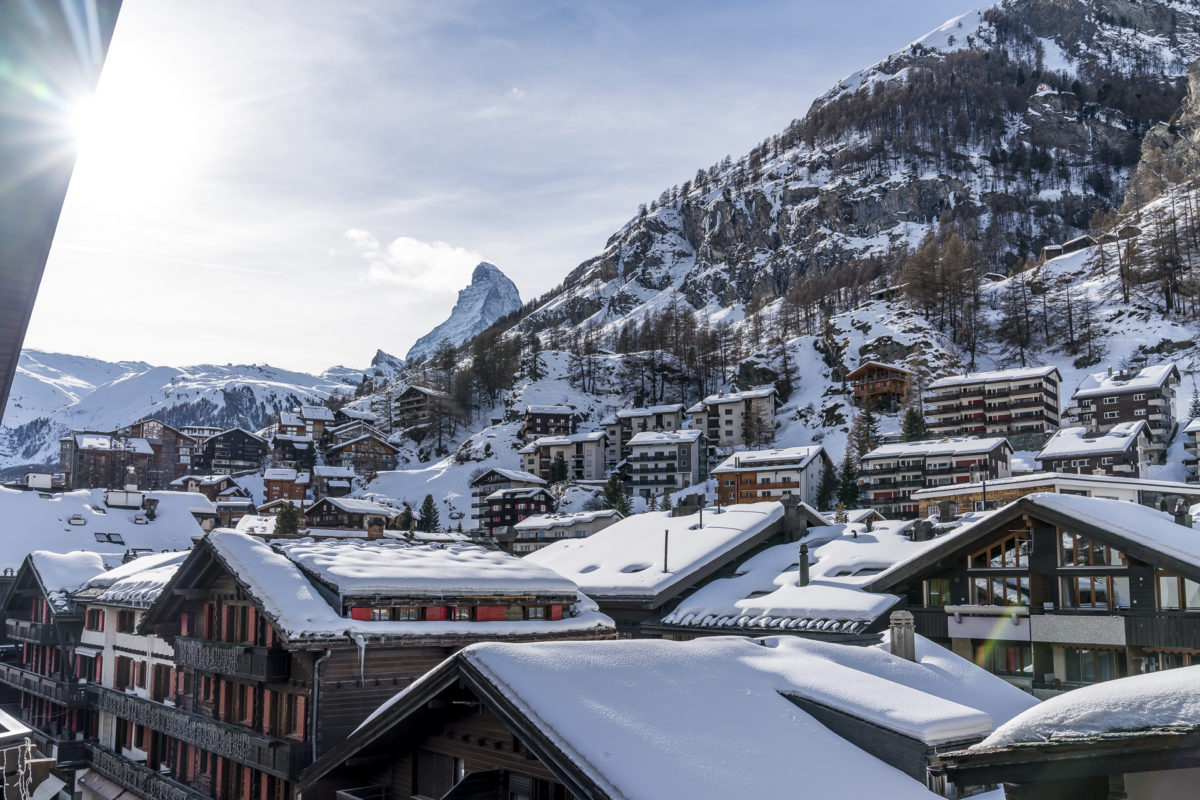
{"x":555,"y":612}
{"x":100,"y":627}
{"x":360,"y":612}
{"x":301,"y":716}
{"x":490,"y":614}
{"x":184,"y":624}
{"x":268,"y":701}
{"x":435,"y":612}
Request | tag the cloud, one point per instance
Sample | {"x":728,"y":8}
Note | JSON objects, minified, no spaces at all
{"x":414,"y":264}
{"x":506,"y":108}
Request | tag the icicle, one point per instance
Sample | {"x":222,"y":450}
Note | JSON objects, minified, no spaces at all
{"x":362,"y":654}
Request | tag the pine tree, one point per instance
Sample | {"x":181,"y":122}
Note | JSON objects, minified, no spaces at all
{"x":913,"y":427}
{"x":665,"y":505}
{"x":403,"y":521}
{"x":847,"y":493}
{"x":534,"y":367}
{"x":827,"y":488}
{"x":287,"y":521}
{"x":427,"y":517}
{"x":1194,"y":408}
{"x":614,"y":495}
{"x":558,"y":468}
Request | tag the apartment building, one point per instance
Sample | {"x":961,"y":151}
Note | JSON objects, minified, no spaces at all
{"x":547,"y":420}
{"x":737,"y":419}
{"x":1011,"y":402}
{"x":622,"y":425}
{"x":1191,"y":444}
{"x":665,"y":461}
{"x":759,"y":476}
{"x":494,"y":480}
{"x":1106,"y":399}
{"x":891,"y":473}
{"x":583,"y":454}
{"x":1120,"y":450}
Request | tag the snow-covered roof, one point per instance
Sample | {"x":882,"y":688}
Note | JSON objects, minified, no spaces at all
{"x":1044,"y":478}
{"x":62,"y":574}
{"x":638,"y":730}
{"x":698,"y":408}
{"x":353,"y":505}
{"x":995,"y":376}
{"x":102,"y":441}
{"x":686,"y":436}
{"x":545,"y":522}
{"x":1077,"y":441}
{"x":573,"y":438}
{"x":511,"y":475}
{"x":1193,"y":426}
{"x":140,"y":581}
{"x":520,"y":491}
{"x":1170,"y":698}
{"x":292,"y":600}
{"x":764,"y":592}
{"x":316,"y":412}
{"x":80,"y":520}
{"x":291,"y":420}
{"x":937,"y":447}
{"x":882,"y":364}
{"x":322,"y":471}
{"x":354,"y":413}
{"x":356,"y":440}
{"x":1105,"y":383}
{"x":297,"y":439}
{"x":357,"y":568}
{"x":627,"y":413}
{"x":754,"y":460}
{"x":279,"y":474}
{"x":735,"y":397}
{"x":425,"y":390}
{"x":203,"y":480}
{"x":543,"y":409}
{"x":626,"y":558}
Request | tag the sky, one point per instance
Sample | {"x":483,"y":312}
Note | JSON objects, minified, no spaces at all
{"x":301,"y":184}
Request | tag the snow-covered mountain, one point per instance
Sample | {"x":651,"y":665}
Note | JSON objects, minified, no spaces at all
{"x":1013,"y":125}
{"x":53,"y":393}
{"x":489,"y":297}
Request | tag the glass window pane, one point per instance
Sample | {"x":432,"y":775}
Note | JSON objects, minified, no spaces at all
{"x":981,"y":592}
{"x":1087,"y":660}
{"x":1068,"y":549}
{"x":1191,"y":594}
{"x":1070,"y":597}
{"x":1099,"y":592}
{"x":1168,"y":592}
{"x":1120,"y":589}
{"x":1074,"y":666}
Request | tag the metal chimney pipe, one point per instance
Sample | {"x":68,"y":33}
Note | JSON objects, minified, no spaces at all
{"x":803,"y":580}
{"x":903,"y":635}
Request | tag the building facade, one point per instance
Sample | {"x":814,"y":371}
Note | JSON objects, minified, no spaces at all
{"x":624,"y":424}
{"x":666,"y":461}
{"x":1104,"y":400}
{"x":737,"y":419}
{"x":884,"y":386}
{"x":582,"y":453}
{"x":1120,"y":450}
{"x":890,"y":474}
{"x":759,"y":476}
{"x":1012,"y":402}
{"x":543,"y":420}
{"x":491,"y":481}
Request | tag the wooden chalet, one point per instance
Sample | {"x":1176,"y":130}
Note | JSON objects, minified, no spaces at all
{"x":95,"y":460}
{"x":214,"y":487}
{"x":417,"y":405}
{"x":543,"y":420}
{"x":885,"y":386}
{"x":328,"y":481}
{"x":364,"y":455}
{"x":285,"y":484}
{"x":174,"y":451}
{"x":1057,"y":591}
{"x":286,"y":647}
{"x":493,"y":480}
{"x":234,"y":450}
{"x":346,"y":513}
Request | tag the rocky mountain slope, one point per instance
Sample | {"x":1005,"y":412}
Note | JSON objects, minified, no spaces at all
{"x":489,"y":297}
{"x":1014,"y":125}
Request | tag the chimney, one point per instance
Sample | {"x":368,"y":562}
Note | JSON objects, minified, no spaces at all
{"x":794,"y":525}
{"x":803,"y":580}
{"x":1110,"y":370}
{"x":130,"y":479}
{"x":921,"y":530}
{"x":903,"y":635}
{"x":1182,"y":515}
{"x":375,"y":527}
{"x":946,"y":511}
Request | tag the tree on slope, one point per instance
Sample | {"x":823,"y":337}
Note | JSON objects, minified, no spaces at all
{"x":848,"y":491}
{"x":287,"y":521}
{"x":427,"y":517}
{"x":913,"y":427}
{"x":614,"y":495}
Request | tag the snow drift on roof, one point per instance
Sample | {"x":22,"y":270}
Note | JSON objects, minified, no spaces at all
{"x":936,"y":447}
{"x":1102,"y":383}
{"x":1022,"y":373}
{"x":64,"y":573}
{"x":686,"y":436}
{"x":132,"y":567}
{"x":627,"y":557}
{"x":1077,"y":442}
{"x":784,"y":457}
{"x":142,"y":588}
{"x":1140,"y":702}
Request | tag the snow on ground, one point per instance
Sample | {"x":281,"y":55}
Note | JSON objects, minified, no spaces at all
{"x":81,"y":520}
{"x":290,"y":598}
{"x":764,"y":592}
{"x":640,"y":732}
{"x":626,"y":558}
{"x":1164,"y":699}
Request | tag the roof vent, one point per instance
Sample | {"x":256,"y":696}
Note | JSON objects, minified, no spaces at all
{"x":903,"y":635}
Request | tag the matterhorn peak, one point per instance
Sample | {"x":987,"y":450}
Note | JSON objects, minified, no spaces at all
{"x":489,"y":296}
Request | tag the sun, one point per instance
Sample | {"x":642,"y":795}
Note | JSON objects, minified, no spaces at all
{"x":137,"y":135}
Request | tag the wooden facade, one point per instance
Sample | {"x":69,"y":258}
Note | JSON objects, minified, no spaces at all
{"x":232,"y":451}
{"x":884,"y":386}
{"x":174,"y":451}
{"x":365,"y":455}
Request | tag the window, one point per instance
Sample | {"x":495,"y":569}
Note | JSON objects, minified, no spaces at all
{"x":1002,"y":659}
{"x":406,"y":613}
{"x":380,"y":614}
{"x":937,"y":592}
{"x":1086,"y":665}
{"x":1106,"y":460}
{"x":1176,"y":593}
{"x":436,"y":773}
{"x":1096,"y":591}
{"x":1001,"y":590}
{"x":125,"y":621}
{"x":1077,"y":550}
{"x":1111,"y":414}
{"x":94,"y":620}
{"x":1139,"y":412}
{"x":1012,"y":552}
{"x":1110,"y":401}
{"x":1140,"y":396}
{"x":462,"y":614}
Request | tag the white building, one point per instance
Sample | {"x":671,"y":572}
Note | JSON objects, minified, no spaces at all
{"x":584,"y":454}
{"x":534,"y":533}
{"x":756,"y":476}
{"x":665,"y":461}
{"x":1191,"y":443}
{"x":622,"y":425}
{"x":737,"y":419}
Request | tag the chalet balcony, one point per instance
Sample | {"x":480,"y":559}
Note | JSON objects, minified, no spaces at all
{"x":283,"y":759}
{"x":71,"y":695}
{"x":1163,"y":631}
{"x":930,"y":622}
{"x":639,"y":459}
{"x":23,"y":630}
{"x":139,"y":780}
{"x":248,"y":662}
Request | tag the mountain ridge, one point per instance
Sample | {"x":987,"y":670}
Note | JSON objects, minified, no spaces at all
{"x":490,"y":296}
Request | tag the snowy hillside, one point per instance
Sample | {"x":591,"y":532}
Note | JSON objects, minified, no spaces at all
{"x":489,"y":297}
{"x":53,"y":393}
